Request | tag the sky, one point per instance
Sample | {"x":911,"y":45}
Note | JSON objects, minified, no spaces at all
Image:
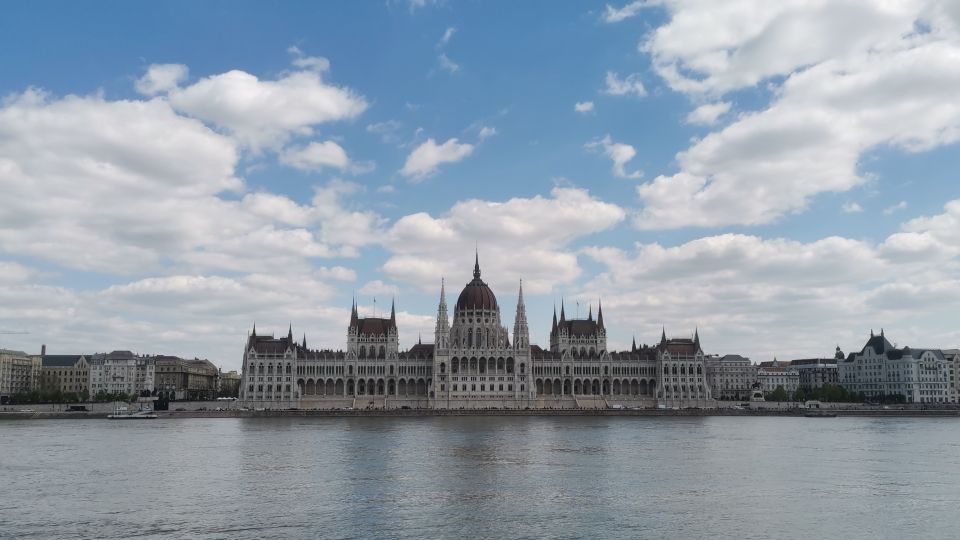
{"x":780,"y":176}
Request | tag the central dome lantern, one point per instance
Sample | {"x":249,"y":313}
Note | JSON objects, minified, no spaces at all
{"x":476,"y":295}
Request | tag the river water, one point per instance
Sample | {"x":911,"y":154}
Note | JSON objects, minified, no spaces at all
{"x":481,"y":477}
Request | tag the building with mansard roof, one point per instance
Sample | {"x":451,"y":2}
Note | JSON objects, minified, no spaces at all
{"x":881,"y":370}
{"x":474,"y":362}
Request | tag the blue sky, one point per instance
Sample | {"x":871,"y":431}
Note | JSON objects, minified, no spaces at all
{"x":780,"y":176}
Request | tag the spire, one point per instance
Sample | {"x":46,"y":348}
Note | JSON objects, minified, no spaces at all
{"x":476,"y":265}
{"x":663,"y":334}
{"x":354,"y":319}
{"x":393,"y":313}
{"x":590,"y":313}
{"x":553,"y":329}
{"x":290,"y":333}
{"x":419,"y":339}
{"x":633,"y":348}
{"x":442,"y":330}
{"x":304,"y":340}
{"x":881,"y":332}
{"x":521,"y":333}
{"x":563,"y":316}
{"x":871,"y":332}
{"x":696,"y":335}
{"x":254,"y":334}
{"x":600,"y":314}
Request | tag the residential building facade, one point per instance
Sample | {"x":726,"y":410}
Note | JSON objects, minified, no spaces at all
{"x":815,"y":373}
{"x":773,"y":375}
{"x":880,"y":369}
{"x":66,"y":373}
{"x":121,"y":372}
{"x":181,"y":379}
{"x":19,"y":372}
{"x":730,"y":376}
{"x":952,"y":357}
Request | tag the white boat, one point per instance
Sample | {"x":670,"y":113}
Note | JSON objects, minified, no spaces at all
{"x":121,"y":412}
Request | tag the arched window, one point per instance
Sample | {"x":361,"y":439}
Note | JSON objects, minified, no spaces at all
{"x":699,"y":369}
{"x":683,"y":369}
{"x":383,"y":352}
{"x":523,"y":368}
{"x":568,"y":370}
{"x":674,"y":369}
{"x":666,"y":370}
{"x":583,"y":351}
{"x":350,"y":370}
{"x":470,"y":338}
{"x":443,"y":367}
{"x":363,"y":351}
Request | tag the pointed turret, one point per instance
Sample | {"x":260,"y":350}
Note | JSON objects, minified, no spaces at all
{"x":563,"y":316}
{"x":393,"y":313}
{"x":600,"y":314}
{"x":521,"y":333}
{"x":663,"y":335}
{"x":254,"y":334}
{"x":354,"y":318}
{"x":590,"y":313}
{"x":476,"y":265}
{"x":290,"y":333}
{"x":553,"y":328}
{"x":304,"y":340}
{"x":696,"y":335}
{"x":442,"y":330}
{"x":633,"y":348}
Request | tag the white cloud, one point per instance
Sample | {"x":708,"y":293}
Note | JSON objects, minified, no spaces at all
{"x":852,"y":208}
{"x":161,"y":78}
{"x":615,"y":15}
{"x":11,"y":272}
{"x":387,"y":131}
{"x":631,"y":84}
{"x":315,"y":156}
{"x":446,"y":36}
{"x":94,"y":183}
{"x":583,"y":106}
{"x":619,"y":153}
{"x":425,"y":159}
{"x":766,"y":297}
{"x":708,"y":114}
{"x":447,"y":64}
{"x":261,"y":113}
{"x":314,"y":63}
{"x":378,"y":288}
{"x":902,"y":205}
{"x":869,"y":80}
{"x":487,"y":131}
{"x":424,"y":247}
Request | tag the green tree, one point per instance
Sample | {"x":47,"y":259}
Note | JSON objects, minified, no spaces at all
{"x":779,"y":394}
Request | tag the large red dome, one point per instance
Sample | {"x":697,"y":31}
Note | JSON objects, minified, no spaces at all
{"x":476,"y":295}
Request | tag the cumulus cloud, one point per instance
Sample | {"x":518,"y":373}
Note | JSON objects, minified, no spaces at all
{"x":583,"y":106}
{"x":318,"y":155}
{"x":630,"y":84}
{"x":425,"y":247}
{"x":619,"y":153}
{"x":870,"y":79}
{"x":93,"y":185}
{"x":708,"y":114}
{"x":615,"y":15}
{"x":765,"y":297}
{"x":487,"y":131}
{"x":447,"y":64}
{"x":852,"y":208}
{"x":902,"y":205}
{"x":161,"y":78}
{"x":264,"y":113}
{"x":426,"y":158}
{"x":378,"y":288}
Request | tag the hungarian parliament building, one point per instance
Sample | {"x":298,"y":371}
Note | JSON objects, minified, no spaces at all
{"x":473,"y":362}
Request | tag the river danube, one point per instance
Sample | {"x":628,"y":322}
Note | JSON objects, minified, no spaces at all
{"x":481,"y":477}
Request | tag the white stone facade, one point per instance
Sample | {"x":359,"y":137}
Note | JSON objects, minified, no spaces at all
{"x":730,"y":376}
{"x":880,"y":369}
{"x":473,"y":363}
{"x":121,"y":371}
